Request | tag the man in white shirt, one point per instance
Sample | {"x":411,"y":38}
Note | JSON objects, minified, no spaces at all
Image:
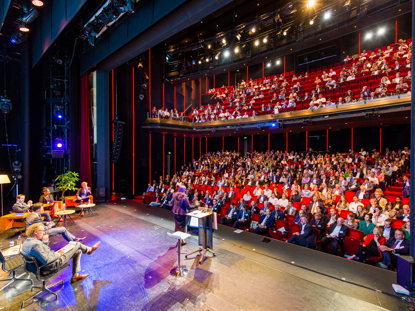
{"x":267,"y":191}
{"x":283,"y":201}
{"x":378,"y":217}
{"x":353,"y":205}
{"x":273,"y":200}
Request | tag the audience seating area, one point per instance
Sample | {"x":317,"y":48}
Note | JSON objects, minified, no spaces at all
{"x":373,"y":74}
{"x":206,"y":182}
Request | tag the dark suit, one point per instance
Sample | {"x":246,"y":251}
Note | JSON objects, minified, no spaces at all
{"x":268,"y":224}
{"x":334,"y":241}
{"x":389,"y":257}
{"x":230,"y":213}
{"x":391,"y":233}
{"x":306,"y":238}
{"x":320,"y":225}
{"x":217,"y":207}
{"x":246,"y":215}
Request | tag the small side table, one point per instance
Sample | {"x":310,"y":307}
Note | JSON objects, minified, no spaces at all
{"x":64,"y":214}
{"x":88,"y":208}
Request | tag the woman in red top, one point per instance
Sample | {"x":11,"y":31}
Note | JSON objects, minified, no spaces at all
{"x":371,"y":246}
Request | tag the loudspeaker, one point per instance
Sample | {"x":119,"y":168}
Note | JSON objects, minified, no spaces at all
{"x":405,"y":272}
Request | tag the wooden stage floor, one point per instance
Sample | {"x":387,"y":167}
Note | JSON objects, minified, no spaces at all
{"x":131,"y":271}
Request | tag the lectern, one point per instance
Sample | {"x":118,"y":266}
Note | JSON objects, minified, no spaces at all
{"x":205,"y":234}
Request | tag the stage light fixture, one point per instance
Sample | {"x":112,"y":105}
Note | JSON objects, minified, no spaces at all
{"x":226,"y":54}
{"x":37,"y":3}
{"x":311,"y":3}
{"x":256,"y":42}
{"x":269,"y":64}
{"x":253,"y":30}
{"x":236,"y":50}
{"x":200,"y":62}
{"x":369,"y":35}
{"x":327,"y":15}
{"x":273,"y":124}
{"x":209,"y":46}
{"x":381,"y":31}
{"x":23,"y":28}
{"x":238,"y":36}
{"x":285,"y":33}
{"x":265,"y":40}
{"x":278,"y":62}
{"x":59,"y":144}
{"x":16,"y":38}
{"x":207,"y":60}
{"x":311,"y":22}
{"x":216,"y":57}
{"x":224,"y":41}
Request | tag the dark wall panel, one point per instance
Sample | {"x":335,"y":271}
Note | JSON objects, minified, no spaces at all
{"x":366,"y":138}
{"x":277,"y":141}
{"x":339,"y":140}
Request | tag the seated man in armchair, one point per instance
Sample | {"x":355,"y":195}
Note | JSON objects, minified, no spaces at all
{"x":51,"y":230}
{"x":35,"y":246}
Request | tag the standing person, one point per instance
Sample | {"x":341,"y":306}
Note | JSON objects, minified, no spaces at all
{"x":82,"y":196}
{"x":180,"y":208}
{"x":35,"y":246}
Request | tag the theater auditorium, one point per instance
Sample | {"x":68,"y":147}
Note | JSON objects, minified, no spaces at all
{"x":207,"y":155}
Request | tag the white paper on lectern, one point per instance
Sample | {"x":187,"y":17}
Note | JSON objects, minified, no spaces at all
{"x":198,"y":214}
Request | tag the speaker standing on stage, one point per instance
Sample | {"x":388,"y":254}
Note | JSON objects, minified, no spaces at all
{"x":180,"y":208}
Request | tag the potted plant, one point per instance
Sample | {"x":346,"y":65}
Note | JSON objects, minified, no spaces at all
{"x":67,"y":181}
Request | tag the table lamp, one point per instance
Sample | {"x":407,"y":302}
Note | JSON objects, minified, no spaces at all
{"x":4,"y":179}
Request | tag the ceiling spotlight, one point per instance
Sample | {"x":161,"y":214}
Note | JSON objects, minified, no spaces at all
{"x":253,"y":29}
{"x":369,"y":35}
{"x":23,"y":28}
{"x":200,"y":62}
{"x":37,"y":2}
{"x":269,"y":64}
{"x":238,"y":36}
{"x":285,"y":32}
{"x":207,"y":60}
{"x":265,"y":40}
{"x":381,"y":31}
{"x":256,"y":42}
{"x":327,"y":15}
{"x":236,"y":50}
{"x":311,"y":22}
{"x":209,"y":46}
{"x":311,"y":3}
{"x":278,"y":62}
{"x":223,"y":41}
{"x":226,"y":53}
{"x":216,"y":57}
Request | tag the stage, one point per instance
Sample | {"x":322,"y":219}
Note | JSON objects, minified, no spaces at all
{"x":131,"y":271}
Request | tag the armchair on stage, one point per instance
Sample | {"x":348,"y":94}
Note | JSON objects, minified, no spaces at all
{"x":70,"y":200}
{"x":205,"y":233}
{"x":10,"y":265}
{"x":42,"y":274}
